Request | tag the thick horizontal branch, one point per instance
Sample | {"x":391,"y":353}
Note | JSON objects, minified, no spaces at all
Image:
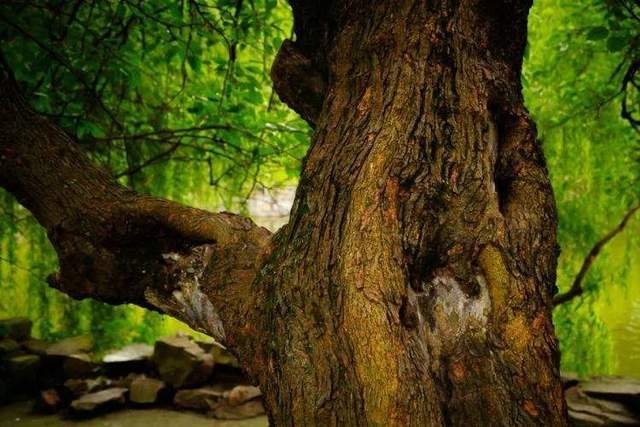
{"x":576,"y":288}
{"x":119,"y":246}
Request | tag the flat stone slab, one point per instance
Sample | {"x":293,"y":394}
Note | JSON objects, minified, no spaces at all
{"x":23,"y":371}
{"x":623,"y":390}
{"x":250,"y":409}
{"x":99,"y":400}
{"x":8,"y":347}
{"x":78,"y":387}
{"x":203,"y":399}
{"x":69,"y":346}
{"x":130,"y":353}
{"x":586,"y":411}
{"x":36,"y":346}
{"x":243,"y":393}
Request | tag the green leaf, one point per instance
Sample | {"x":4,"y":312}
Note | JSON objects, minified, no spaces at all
{"x":616,"y":43}
{"x":597,"y":33}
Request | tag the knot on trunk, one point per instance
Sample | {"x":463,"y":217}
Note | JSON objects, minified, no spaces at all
{"x":298,"y":83}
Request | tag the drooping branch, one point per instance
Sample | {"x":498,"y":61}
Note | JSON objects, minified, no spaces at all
{"x":576,"y":288}
{"x":119,"y":246}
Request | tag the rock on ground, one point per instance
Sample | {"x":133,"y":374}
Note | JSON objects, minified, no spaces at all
{"x":94,"y":402}
{"x":69,"y":346}
{"x":250,"y":409}
{"x":181,"y":362}
{"x":202,"y":399}
{"x":585,"y":411}
{"x":145,"y":390}
{"x":623,"y":390}
{"x":78,"y":387}
{"x":22,"y":371}
{"x":242,"y":393}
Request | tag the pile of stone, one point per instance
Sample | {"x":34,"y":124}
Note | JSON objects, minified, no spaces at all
{"x":177,"y":372}
{"x":602,"y":401}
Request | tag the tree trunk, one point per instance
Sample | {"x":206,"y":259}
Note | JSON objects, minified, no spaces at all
{"x":413,"y":283}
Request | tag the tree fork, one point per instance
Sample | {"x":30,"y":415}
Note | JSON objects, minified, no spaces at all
{"x":119,"y":246}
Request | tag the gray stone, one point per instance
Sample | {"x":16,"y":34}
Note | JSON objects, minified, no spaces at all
{"x":622,"y":390}
{"x":69,"y":346}
{"x":92,"y":402}
{"x":17,"y":328}
{"x":23,"y":371}
{"x":8,"y":348}
{"x":145,"y":390}
{"x":35,"y":346}
{"x":181,"y":362}
{"x":77,"y":387}
{"x":221,"y":355}
{"x":587,"y":411}
{"x":242,"y":393}
{"x":130,"y":353}
{"x":77,"y":365}
{"x":250,"y":409}
{"x":202,"y":399}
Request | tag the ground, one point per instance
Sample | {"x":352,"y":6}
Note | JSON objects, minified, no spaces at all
{"x":19,"y":414}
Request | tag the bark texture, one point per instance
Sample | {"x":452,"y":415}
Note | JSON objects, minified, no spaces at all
{"x":413,"y":283}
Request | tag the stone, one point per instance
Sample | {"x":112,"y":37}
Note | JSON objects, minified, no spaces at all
{"x":69,"y":346}
{"x":130,"y":353}
{"x":622,"y":390}
{"x":132,"y":358}
{"x":99,"y":401}
{"x":77,"y":365}
{"x":250,"y":409}
{"x":49,"y":401}
{"x":23,"y":371}
{"x":202,"y":399}
{"x":144,"y":390}
{"x":242,"y":393}
{"x":35,"y":346}
{"x":181,"y":362}
{"x":586,"y":411}
{"x":16,"y":328}
{"x":221,"y":356}
{"x":77,"y":387}
{"x":569,"y":379}
{"x":8,"y":348}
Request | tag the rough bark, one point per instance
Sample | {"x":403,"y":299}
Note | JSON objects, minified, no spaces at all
{"x":413,"y":283}
{"x":119,"y":246}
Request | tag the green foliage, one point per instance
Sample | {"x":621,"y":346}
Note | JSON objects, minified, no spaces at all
{"x":578,"y":52}
{"x":173,"y":97}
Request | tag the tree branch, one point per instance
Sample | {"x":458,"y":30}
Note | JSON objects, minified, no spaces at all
{"x":576,"y":288}
{"x":119,"y":246}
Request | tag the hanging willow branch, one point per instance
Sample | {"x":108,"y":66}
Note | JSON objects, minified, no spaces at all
{"x":576,"y":288}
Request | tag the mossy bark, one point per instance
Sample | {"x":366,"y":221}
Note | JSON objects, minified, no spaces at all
{"x":412,"y":284}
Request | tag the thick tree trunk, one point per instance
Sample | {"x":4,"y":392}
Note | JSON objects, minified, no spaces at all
{"x":413,"y":283}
